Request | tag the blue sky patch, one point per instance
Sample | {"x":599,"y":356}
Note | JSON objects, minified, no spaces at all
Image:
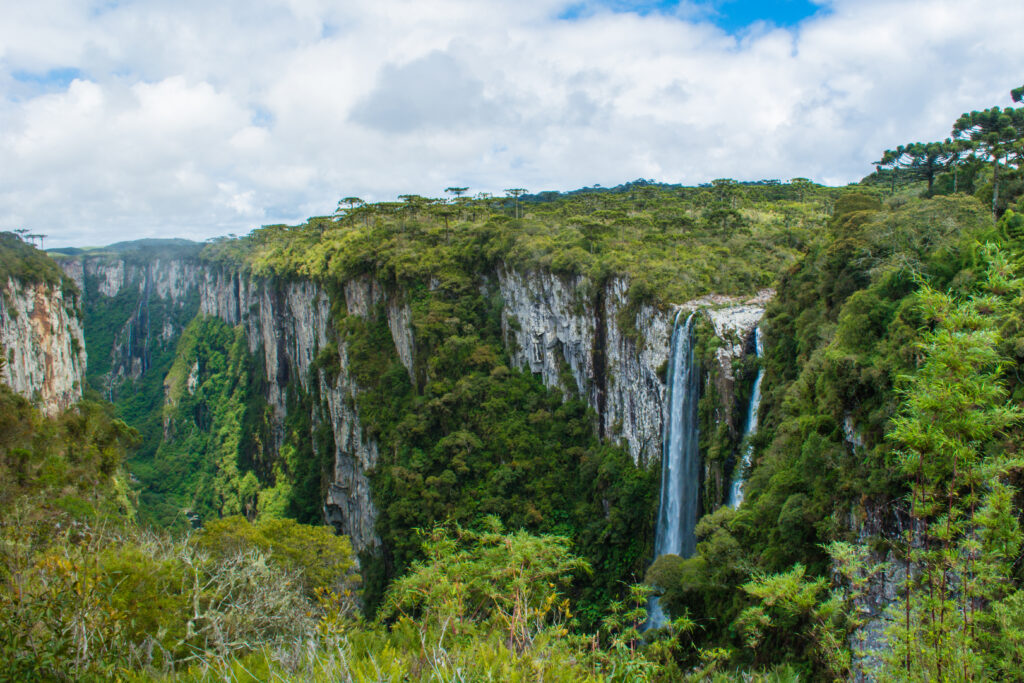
{"x":734,"y":15}
{"x":54,"y":79}
{"x":261,"y":116}
{"x":730,"y":15}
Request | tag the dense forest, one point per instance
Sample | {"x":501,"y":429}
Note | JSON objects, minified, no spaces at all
{"x":170,"y":526}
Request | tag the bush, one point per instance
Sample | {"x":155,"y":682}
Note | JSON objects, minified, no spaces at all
{"x":318,"y":557}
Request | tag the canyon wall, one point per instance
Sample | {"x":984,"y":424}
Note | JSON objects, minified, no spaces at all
{"x":41,"y":337}
{"x":583,"y":339}
{"x":598,"y":347}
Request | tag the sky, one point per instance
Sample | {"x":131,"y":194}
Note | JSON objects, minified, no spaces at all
{"x":123,"y":119}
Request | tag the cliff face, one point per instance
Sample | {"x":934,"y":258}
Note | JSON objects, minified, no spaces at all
{"x":136,"y":304}
{"x":41,"y":335}
{"x":581,"y":338}
{"x":573,"y":341}
{"x":576,"y":341}
{"x":289,"y":323}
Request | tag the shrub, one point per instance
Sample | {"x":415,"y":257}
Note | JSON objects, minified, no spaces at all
{"x":319,"y":558}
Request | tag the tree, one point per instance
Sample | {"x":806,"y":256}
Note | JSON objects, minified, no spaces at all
{"x":964,"y":537}
{"x":802,"y":185}
{"x":414,"y":203}
{"x":347,"y":204}
{"x":516,"y":193}
{"x":592,"y":230}
{"x":456,"y":191}
{"x":890,"y":163}
{"x":958,"y":152}
{"x":324,"y":559}
{"x":446,"y":212}
{"x":725,"y":190}
{"x":923,"y":158}
{"x":504,"y":582}
{"x":994,"y":135}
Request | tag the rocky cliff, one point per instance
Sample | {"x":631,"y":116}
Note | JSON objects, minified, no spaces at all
{"x":597,"y":346}
{"x":288,"y":323}
{"x":585,"y":339}
{"x":552,"y":327}
{"x":136,"y":302}
{"x":573,"y":341}
{"x":41,"y":337}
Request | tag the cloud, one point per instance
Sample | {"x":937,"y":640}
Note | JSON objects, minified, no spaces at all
{"x":129,"y":119}
{"x":434,"y":91}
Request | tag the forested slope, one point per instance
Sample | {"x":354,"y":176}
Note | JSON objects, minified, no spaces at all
{"x":472,"y":391}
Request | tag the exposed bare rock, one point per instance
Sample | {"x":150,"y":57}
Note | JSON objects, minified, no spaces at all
{"x":552,"y":327}
{"x":579,"y":337}
{"x":41,"y":335}
{"x":288,"y":322}
{"x":158,"y":284}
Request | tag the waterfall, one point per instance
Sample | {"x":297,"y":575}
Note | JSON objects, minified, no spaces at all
{"x":680,"y":459}
{"x":736,"y":491}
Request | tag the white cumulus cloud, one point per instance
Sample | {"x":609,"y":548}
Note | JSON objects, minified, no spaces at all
{"x":134,"y":118}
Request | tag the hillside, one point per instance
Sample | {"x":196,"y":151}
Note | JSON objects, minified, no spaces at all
{"x":471,"y":438}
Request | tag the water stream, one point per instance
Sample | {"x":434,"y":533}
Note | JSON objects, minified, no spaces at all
{"x":736,"y":491}
{"x":680,"y":459}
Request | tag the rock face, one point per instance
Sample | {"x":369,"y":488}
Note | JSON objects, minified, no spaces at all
{"x":143,"y":304}
{"x":573,"y":341}
{"x":41,"y":335}
{"x":733,"y":323}
{"x":734,"y":326}
{"x":576,"y":342}
{"x":164,"y":283}
{"x":581,"y":338}
{"x":289,"y":323}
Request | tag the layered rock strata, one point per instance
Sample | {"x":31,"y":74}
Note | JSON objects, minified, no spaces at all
{"x":555,"y":327}
{"x":581,"y":338}
{"x":41,"y":337}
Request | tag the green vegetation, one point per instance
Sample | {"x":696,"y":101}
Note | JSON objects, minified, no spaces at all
{"x":982,"y":156}
{"x":86,"y":595}
{"x":480,"y":439}
{"x":214,"y":425}
{"x":890,"y":423}
{"x":965,"y":535}
{"x":131,"y":341}
{"x":463,"y":435}
{"x":887,"y":461}
{"x":675,"y":243}
{"x":22,"y":261}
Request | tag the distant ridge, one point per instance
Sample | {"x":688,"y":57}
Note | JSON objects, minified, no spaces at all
{"x":175,"y":246}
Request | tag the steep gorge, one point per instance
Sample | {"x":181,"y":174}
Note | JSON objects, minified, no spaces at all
{"x":385,"y":374}
{"x":560,"y":328}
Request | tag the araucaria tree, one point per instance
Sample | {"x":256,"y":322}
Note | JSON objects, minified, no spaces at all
{"x":963,"y":537}
{"x":995,"y":135}
{"x":923,"y":158}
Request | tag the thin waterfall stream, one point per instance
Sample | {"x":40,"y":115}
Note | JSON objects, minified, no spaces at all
{"x":736,"y":490}
{"x":680,"y":459}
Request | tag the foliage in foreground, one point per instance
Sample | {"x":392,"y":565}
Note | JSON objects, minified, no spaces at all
{"x":87,"y":595}
{"x":893,"y":424}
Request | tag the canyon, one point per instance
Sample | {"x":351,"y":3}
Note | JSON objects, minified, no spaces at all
{"x":564,"y":329}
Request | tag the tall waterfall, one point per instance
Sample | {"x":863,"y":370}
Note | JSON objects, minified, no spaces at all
{"x":736,"y":491}
{"x":680,"y":459}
